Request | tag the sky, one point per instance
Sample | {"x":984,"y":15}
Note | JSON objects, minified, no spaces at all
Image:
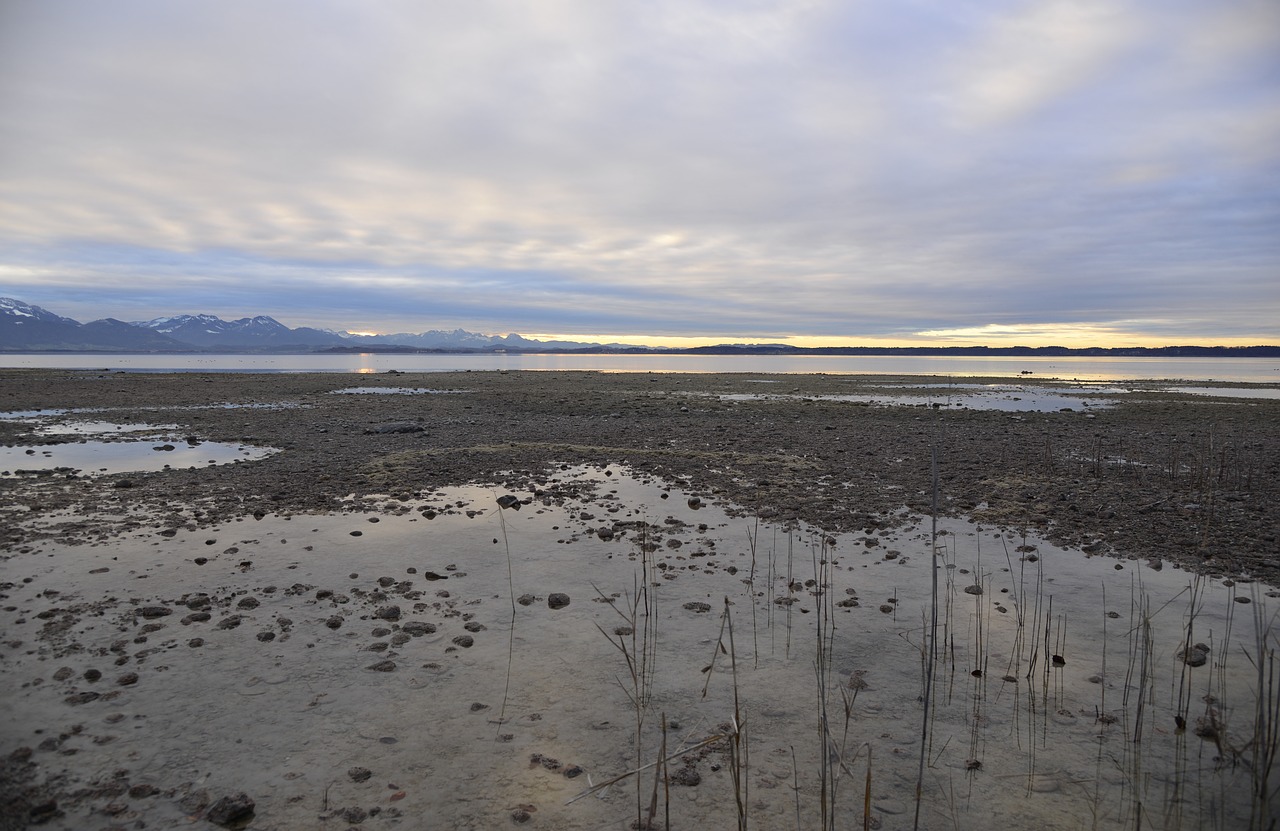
{"x":929,"y":172}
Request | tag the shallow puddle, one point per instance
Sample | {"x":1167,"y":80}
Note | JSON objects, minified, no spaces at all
{"x":448,"y":659}
{"x":999,"y":397}
{"x":394,"y":391}
{"x":101,"y":455}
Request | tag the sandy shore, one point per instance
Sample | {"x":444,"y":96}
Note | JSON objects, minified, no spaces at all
{"x":174,"y":637}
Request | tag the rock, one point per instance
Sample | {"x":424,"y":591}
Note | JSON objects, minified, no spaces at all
{"x":418,"y":628}
{"x":687,"y":776}
{"x":696,"y":606}
{"x":334,"y":622}
{"x":81,"y":698}
{"x":464,"y":641}
{"x":229,"y":622}
{"x":128,"y":679}
{"x":266,"y":635}
{"x":604,"y":532}
{"x":231,"y":810}
{"x":359,"y":774}
{"x":557,"y":600}
{"x":152,"y":612}
{"x":526,"y":600}
{"x":509,"y":501}
{"x":388,"y":613}
{"x":974,"y":589}
{"x":1195,"y":656}
{"x":63,"y":674}
{"x":196,"y":617}
{"x":383,"y":666}
{"x":355,"y":814}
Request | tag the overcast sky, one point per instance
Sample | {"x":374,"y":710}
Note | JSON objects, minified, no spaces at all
{"x":876,"y":171}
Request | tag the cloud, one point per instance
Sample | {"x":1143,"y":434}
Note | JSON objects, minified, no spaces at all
{"x":819,"y":168}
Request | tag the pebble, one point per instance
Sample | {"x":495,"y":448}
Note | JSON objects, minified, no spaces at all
{"x":557,"y":600}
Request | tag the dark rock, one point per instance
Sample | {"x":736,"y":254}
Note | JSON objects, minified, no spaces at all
{"x":92,"y":675}
{"x":334,"y":622}
{"x":1194,"y":656}
{"x":231,"y":810}
{"x":509,"y":501}
{"x":687,"y":776}
{"x":696,"y":606}
{"x":266,"y":636}
{"x":557,"y":600}
{"x":248,"y":603}
{"x":154,"y":611}
{"x":230,"y":622}
{"x":388,"y":613}
{"x":196,"y":617}
{"x":81,"y":698}
{"x":383,"y":666}
{"x":359,"y":774}
{"x":526,"y":600}
{"x":355,"y":815}
{"x":128,"y":679}
{"x":464,"y":641}
{"x":417,"y":628}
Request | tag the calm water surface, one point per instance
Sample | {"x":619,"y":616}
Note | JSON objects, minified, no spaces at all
{"x":1250,"y":370}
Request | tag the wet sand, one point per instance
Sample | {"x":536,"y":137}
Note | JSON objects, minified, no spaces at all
{"x":175,"y":637}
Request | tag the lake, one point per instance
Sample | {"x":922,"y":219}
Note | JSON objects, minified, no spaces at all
{"x":1248,"y":370}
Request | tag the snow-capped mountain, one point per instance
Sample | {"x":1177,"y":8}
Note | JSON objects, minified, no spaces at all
{"x":212,"y":332}
{"x":24,"y":327}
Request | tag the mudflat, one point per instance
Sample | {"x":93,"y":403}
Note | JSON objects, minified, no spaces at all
{"x":468,"y":599}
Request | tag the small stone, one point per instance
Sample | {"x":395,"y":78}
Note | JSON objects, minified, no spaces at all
{"x":359,"y":774}
{"x":231,"y":810}
{"x":526,"y":600}
{"x":464,"y":641}
{"x":687,"y":776}
{"x":334,"y":622}
{"x":248,"y":603}
{"x":128,"y":679}
{"x":383,"y":666}
{"x":388,"y":613}
{"x":557,"y":600}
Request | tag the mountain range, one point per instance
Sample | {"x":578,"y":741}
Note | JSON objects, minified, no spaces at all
{"x":28,"y":328}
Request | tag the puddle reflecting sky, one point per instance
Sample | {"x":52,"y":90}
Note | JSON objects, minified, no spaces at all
{"x":466,"y":721}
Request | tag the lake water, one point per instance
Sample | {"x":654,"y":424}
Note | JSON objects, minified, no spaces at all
{"x":1248,"y":370}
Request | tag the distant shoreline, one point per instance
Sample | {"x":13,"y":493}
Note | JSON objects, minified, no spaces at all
{"x":1260,"y":351}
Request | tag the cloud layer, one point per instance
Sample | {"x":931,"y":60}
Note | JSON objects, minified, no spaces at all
{"x":745,"y":170}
